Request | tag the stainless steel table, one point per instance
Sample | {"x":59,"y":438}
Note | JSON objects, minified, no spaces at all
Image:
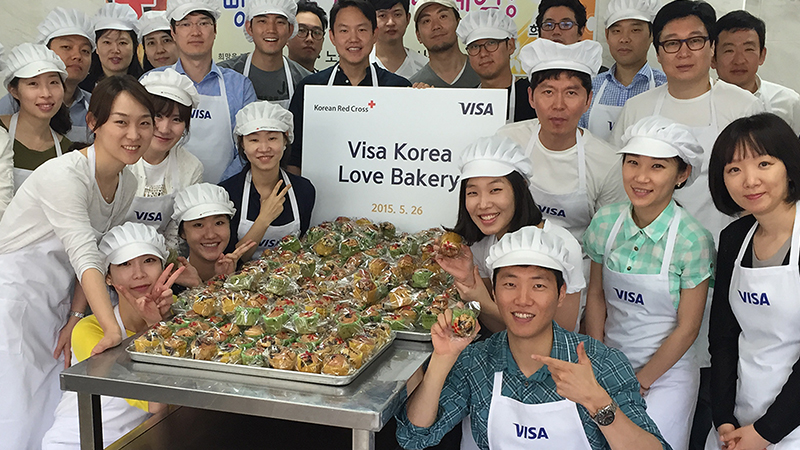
{"x":363,"y":406}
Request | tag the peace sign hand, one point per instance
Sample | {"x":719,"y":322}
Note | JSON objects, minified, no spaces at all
{"x":272,"y":205}
{"x":226,"y":263}
{"x":154,"y":305}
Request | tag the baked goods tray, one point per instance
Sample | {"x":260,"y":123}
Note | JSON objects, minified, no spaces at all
{"x":419,"y":336}
{"x":266,"y":372}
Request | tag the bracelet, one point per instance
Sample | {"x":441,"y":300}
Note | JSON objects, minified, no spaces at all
{"x":77,"y":314}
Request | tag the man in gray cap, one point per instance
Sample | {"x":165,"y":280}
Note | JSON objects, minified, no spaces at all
{"x":436,"y":22}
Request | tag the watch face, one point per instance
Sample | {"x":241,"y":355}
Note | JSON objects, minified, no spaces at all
{"x":606,"y":415}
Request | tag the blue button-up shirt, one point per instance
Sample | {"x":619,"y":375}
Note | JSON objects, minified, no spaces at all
{"x":616,"y":93}
{"x":240,"y":92}
{"x":77,"y":113}
{"x":468,"y":389}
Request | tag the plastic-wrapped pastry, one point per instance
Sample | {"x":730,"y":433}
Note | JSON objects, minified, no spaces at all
{"x":174,"y":346}
{"x":309,"y":362}
{"x":273,"y":321}
{"x":336,"y":364}
{"x":306,"y":322}
{"x":421,"y":278}
{"x":356,"y":357}
{"x":229,"y":354}
{"x":148,"y":342}
{"x":464,"y":321}
{"x":388,"y":229}
{"x":450,"y":244}
{"x":204,"y":348}
{"x":398,"y":297}
{"x":253,"y":356}
{"x":255,"y":332}
{"x":281,"y":358}
{"x":246,"y":317}
{"x":349,"y":247}
{"x":290,"y":243}
{"x":348,"y":323}
{"x":326,"y":245}
{"x":363,"y":343}
{"x":204,"y":307}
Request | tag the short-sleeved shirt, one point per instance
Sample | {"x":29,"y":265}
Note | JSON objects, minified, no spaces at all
{"x":781,"y":101}
{"x":411,"y":65}
{"x":468,"y":78}
{"x":468,"y":389}
{"x":269,"y":86}
{"x":304,"y":193}
{"x":616,"y":93}
{"x":25,"y":158}
{"x":641,"y":250}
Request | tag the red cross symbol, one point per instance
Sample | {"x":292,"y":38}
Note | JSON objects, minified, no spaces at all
{"x":138,"y":5}
{"x":371,"y":104}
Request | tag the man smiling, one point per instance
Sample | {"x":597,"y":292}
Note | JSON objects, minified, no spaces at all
{"x":535,"y":383}
{"x":352,"y":32}
{"x":389,"y":52}
{"x":270,"y":24}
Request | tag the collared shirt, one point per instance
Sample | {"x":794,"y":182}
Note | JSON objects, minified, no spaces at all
{"x":468,"y":389}
{"x":385,"y":78}
{"x":77,"y":113}
{"x":616,"y":93}
{"x":239,"y":90}
{"x":411,"y":65}
{"x":641,"y":250}
{"x":781,"y":101}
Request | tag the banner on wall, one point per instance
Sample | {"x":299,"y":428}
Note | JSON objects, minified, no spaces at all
{"x":387,"y":154}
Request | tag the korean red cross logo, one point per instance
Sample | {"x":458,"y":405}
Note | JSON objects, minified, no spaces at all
{"x":140,"y":5}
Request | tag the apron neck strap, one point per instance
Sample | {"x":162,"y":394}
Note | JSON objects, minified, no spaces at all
{"x":12,"y":133}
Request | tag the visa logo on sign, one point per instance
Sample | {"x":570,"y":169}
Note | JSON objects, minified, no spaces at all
{"x":476,"y":109}
{"x":148,"y":216}
{"x":526,"y":432}
{"x":630,"y":297}
{"x":552,"y":211}
{"x":754,"y":298}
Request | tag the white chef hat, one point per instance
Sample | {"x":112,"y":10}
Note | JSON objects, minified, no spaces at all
{"x":285,"y":8}
{"x":494,"y":156}
{"x":422,"y":4}
{"x":486,"y":24}
{"x":29,"y":60}
{"x":631,"y":9}
{"x":132,"y":240}
{"x":170,"y":84}
{"x":544,"y":54}
{"x":264,"y":116}
{"x":531,"y":246}
{"x":659,"y":137}
{"x":150,"y":22}
{"x":202,"y":200}
{"x":178,"y":9}
{"x":115,"y":16}
{"x":65,"y":22}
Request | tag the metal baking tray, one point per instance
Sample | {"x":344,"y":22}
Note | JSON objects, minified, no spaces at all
{"x":419,"y":336}
{"x":268,"y":372}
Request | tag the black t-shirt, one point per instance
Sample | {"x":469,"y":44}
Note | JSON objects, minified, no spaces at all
{"x":303,"y":190}
{"x":522,"y":108}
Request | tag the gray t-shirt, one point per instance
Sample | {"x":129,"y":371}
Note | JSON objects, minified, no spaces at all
{"x":468,"y":78}
{"x":270,"y":86}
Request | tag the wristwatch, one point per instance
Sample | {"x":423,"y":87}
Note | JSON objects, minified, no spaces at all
{"x":77,"y":314}
{"x":605,"y":415}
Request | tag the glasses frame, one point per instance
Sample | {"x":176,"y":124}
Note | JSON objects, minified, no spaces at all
{"x":203,"y":24}
{"x":475,"y":49}
{"x":680,"y":42}
{"x":303,"y":33}
{"x":564,"y":25}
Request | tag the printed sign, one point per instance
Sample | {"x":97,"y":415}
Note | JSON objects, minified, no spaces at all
{"x":393,"y":153}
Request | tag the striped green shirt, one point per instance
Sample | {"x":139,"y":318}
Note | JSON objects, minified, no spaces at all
{"x":641,"y":250}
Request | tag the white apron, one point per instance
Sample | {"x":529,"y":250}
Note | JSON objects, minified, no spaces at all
{"x":289,"y":80}
{"x":373,"y":74}
{"x":211,"y":139}
{"x":21,"y":175}
{"x":571,"y":210}
{"x":31,"y":316}
{"x":157,"y":211}
{"x":274,"y":233}
{"x":119,"y":417}
{"x":516,"y":425}
{"x":603,"y":117}
{"x":766,"y":305}
{"x":641,"y":316}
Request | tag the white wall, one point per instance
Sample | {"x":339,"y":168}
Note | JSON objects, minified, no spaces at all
{"x":19,"y":19}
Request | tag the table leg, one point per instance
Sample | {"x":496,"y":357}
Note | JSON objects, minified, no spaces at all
{"x":90,"y":420}
{"x":363,"y":440}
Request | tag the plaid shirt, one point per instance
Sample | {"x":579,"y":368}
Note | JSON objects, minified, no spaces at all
{"x":468,"y":389}
{"x":641,"y":250}
{"x":616,"y":93}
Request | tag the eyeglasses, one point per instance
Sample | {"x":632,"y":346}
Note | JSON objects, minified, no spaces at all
{"x":564,"y":25}
{"x":185,"y":25}
{"x":674,"y":45}
{"x":491,"y":45}
{"x":316,"y":33}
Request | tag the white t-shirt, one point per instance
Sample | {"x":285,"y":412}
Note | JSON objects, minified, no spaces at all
{"x":731,"y":102}
{"x":411,"y":65}
{"x":781,"y":101}
{"x":557,"y":171}
{"x":480,"y":250}
{"x":61,"y":197}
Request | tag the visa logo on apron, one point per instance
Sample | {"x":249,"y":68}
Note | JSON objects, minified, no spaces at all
{"x":552,"y":211}
{"x":148,"y":216}
{"x":201,"y":114}
{"x":629,"y":296}
{"x":268,"y":243}
{"x":754,"y":298}
{"x":526,"y":432}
